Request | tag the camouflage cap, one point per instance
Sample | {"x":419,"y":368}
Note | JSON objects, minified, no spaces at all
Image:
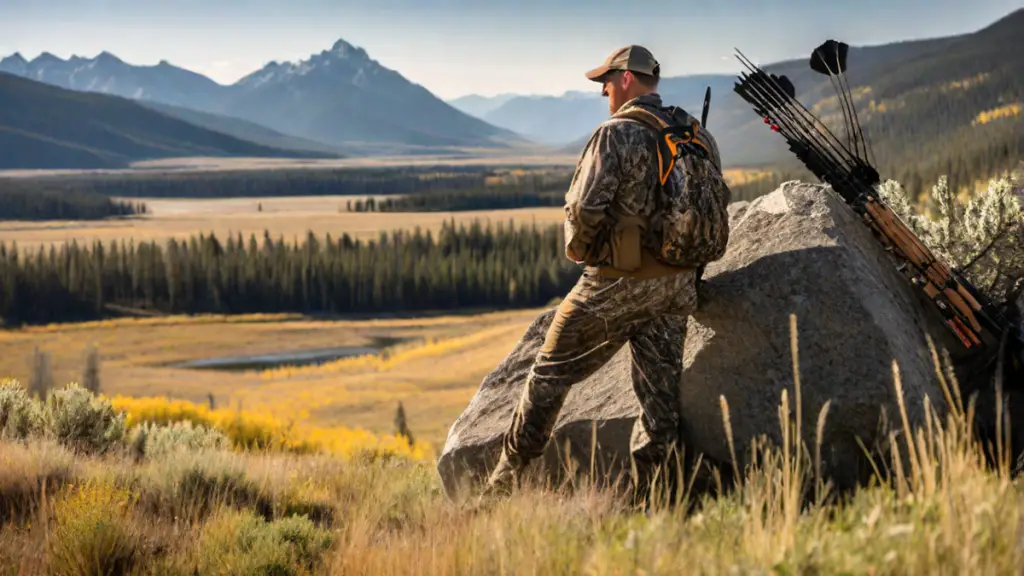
{"x":633,"y":58}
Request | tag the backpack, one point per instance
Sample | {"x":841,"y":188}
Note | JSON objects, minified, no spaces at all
{"x":690,"y":226}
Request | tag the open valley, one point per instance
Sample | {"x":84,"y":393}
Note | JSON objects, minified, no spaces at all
{"x":270,"y":299}
{"x":290,"y":218}
{"x":432,"y":365}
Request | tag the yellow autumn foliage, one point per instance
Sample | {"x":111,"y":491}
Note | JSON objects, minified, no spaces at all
{"x":430,"y":348}
{"x":78,"y":501}
{"x":250,"y":430}
{"x":965,"y":83}
{"x":1000,"y":113}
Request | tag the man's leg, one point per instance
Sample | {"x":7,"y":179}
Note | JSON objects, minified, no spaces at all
{"x":591,"y":324}
{"x":657,"y":372}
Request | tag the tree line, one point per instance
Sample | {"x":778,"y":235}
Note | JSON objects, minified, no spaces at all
{"x":19,"y":201}
{"x":517,"y":191}
{"x":464,"y":266}
{"x":348,"y":181}
{"x":456,"y":201}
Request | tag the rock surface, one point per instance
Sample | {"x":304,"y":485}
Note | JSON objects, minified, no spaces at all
{"x":798,"y":250}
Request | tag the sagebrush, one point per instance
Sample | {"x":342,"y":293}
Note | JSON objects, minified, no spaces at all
{"x":983,"y":237}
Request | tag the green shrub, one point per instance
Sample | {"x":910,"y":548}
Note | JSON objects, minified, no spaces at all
{"x":83,"y":422}
{"x":149,"y":440}
{"x":20,"y":415}
{"x":983,"y":237}
{"x":241,"y":542}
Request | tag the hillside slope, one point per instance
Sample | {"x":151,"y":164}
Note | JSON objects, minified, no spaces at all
{"x":550,"y":119}
{"x":918,"y":101}
{"x":340,"y":97}
{"x":46,"y":127}
{"x":476,"y":105}
{"x":944,"y":106}
{"x":242,"y":129}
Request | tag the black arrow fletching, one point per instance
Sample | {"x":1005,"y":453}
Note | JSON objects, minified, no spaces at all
{"x":787,"y":86}
{"x":830,"y":57}
{"x":849,"y":174}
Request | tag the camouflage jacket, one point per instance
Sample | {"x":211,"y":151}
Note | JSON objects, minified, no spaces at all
{"x":612,"y":191}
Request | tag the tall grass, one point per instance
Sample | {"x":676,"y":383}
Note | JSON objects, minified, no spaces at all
{"x":938,"y":504}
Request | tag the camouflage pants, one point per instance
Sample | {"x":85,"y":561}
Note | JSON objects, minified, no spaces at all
{"x":591,"y":324}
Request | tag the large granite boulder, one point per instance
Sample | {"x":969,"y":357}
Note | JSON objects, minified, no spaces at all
{"x":799,"y":250}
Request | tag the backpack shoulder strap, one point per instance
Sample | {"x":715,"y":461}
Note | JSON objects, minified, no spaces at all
{"x":643,"y":116}
{"x":672,"y":139}
{"x":647,"y":118}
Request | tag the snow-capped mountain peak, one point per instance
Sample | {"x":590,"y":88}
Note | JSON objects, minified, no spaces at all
{"x":342,"y":59}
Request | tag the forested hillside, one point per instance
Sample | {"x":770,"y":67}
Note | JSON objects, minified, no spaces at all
{"x":404,"y":271}
{"x":947,"y":106}
{"x":944,"y":106}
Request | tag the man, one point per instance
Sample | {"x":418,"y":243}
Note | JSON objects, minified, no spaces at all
{"x":625,"y":294}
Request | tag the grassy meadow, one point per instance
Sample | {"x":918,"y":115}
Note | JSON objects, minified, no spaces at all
{"x":288,"y":217}
{"x":283,"y":217}
{"x":115,"y":495}
{"x":164,"y":469}
{"x":434,"y":370}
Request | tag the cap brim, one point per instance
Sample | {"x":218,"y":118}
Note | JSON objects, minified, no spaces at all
{"x":597,"y":73}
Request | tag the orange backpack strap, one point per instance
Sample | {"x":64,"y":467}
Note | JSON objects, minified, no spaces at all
{"x":671,"y":139}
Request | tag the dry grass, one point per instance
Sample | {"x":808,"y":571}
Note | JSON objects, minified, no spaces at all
{"x":434,"y":380}
{"x":291,"y":218}
{"x":934,"y":508}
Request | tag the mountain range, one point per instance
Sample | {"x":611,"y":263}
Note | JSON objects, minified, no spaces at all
{"x":342,"y":102}
{"x":46,"y":127}
{"x":896,"y":84}
{"x":339,"y":100}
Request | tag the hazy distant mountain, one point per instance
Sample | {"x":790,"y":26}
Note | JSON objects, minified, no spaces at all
{"x":108,"y":74}
{"x":339,"y":96}
{"x":910,"y":95}
{"x":551,"y":120}
{"x":568,"y":119}
{"x":242,"y":129}
{"x":476,"y":105}
{"x":44,"y":126}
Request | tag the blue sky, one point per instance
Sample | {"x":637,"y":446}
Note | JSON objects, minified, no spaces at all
{"x":456,"y":47}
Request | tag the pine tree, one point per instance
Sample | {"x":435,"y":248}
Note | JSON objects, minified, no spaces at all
{"x":401,"y":426}
{"x":91,"y":374}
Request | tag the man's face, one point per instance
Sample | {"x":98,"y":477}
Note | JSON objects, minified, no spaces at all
{"x":616,"y":88}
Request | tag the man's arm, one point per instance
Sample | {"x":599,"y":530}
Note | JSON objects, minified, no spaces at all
{"x":593,"y":189}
